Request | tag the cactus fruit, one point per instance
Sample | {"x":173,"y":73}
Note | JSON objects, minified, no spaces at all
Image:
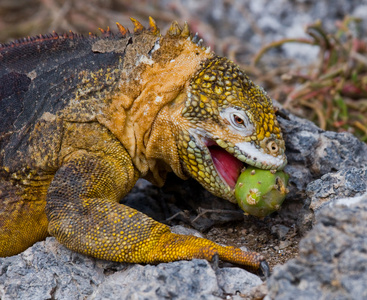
{"x":261,"y":192}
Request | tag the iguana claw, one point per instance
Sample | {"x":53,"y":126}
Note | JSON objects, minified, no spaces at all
{"x":264,"y":269}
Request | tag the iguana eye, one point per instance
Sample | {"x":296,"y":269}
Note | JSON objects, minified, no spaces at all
{"x":238,"y":120}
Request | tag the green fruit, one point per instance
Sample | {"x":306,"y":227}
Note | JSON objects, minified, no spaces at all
{"x":261,"y":192}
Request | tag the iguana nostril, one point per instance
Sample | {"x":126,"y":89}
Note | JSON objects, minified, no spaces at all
{"x":273,"y":147}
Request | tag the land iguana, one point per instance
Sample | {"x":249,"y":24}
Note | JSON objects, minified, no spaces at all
{"x":82,"y":118}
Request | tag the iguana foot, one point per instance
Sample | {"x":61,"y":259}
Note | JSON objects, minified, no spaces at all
{"x":172,"y":247}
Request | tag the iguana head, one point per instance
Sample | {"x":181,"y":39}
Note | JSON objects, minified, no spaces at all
{"x":230,"y":124}
{"x":191,"y":112}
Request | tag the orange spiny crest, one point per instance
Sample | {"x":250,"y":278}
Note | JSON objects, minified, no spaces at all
{"x":138,"y":27}
{"x":122,"y":29}
{"x":185,"y":31}
{"x":40,"y":38}
{"x":72,"y":35}
{"x":153,"y":26}
{"x":92,"y":35}
{"x":107,"y":32}
{"x":175,"y":29}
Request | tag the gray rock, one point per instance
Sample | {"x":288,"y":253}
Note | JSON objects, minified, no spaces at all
{"x":325,"y":167}
{"x":319,"y":151}
{"x":235,"y":280}
{"x":349,"y":182}
{"x":177,"y":280}
{"x":48,"y":270}
{"x":178,"y":229}
{"x":280,"y":231}
{"x":313,"y":153}
{"x":332,"y":263}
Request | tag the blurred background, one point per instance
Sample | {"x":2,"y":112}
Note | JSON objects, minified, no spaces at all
{"x":310,"y":55}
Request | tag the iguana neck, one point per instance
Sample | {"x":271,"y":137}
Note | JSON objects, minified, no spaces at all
{"x":161,"y":150}
{"x":160,"y":74}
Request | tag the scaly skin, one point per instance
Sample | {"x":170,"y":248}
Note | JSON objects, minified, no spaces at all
{"x":86,"y":117}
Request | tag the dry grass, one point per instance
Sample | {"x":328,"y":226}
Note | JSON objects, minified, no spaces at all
{"x":333,"y":91}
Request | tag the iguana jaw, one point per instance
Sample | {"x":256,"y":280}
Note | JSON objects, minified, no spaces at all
{"x":216,"y":164}
{"x":229,"y":165}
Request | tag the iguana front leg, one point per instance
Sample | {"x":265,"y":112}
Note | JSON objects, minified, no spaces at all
{"x":84,"y":215}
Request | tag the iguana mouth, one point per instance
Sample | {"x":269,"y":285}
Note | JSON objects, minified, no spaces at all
{"x":227,"y":166}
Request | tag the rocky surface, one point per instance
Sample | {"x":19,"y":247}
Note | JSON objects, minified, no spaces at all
{"x":332,"y":262}
{"x":50,"y":271}
{"x":313,"y":154}
{"x":337,"y":188}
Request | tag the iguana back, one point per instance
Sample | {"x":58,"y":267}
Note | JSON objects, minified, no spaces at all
{"x":40,"y":77}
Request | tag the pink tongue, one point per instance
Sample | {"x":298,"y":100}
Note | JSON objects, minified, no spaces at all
{"x":227,"y":165}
